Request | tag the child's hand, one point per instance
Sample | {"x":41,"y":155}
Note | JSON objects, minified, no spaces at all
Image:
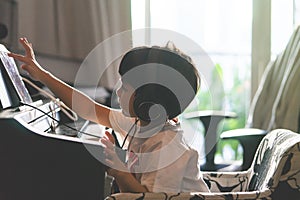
{"x":110,"y":137}
{"x":112,"y":160}
{"x":30,"y":64}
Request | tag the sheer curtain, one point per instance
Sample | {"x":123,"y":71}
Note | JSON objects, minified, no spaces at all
{"x":70,"y":29}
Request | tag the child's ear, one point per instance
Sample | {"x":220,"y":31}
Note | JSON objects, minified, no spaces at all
{"x":142,"y":103}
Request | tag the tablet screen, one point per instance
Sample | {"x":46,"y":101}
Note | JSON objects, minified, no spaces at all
{"x":4,"y":94}
{"x":10,"y":75}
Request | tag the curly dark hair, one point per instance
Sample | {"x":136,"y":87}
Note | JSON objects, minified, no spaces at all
{"x":160,"y":75}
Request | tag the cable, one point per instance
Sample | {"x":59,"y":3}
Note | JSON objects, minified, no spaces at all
{"x":134,"y":125}
{"x":85,"y":133}
{"x":113,"y":133}
{"x":65,"y":109}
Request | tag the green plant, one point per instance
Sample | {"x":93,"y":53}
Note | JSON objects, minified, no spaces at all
{"x":235,"y":98}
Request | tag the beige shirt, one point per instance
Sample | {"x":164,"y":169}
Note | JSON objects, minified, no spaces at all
{"x":162,"y":162}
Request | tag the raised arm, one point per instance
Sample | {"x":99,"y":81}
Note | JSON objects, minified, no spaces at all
{"x":83,"y":105}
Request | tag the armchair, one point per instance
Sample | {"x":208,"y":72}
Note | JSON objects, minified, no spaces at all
{"x":274,"y":174}
{"x":276,"y":104}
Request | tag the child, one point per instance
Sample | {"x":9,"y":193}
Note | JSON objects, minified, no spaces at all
{"x":158,"y":83}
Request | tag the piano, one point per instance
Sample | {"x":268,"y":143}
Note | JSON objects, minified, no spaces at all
{"x":37,"y":163}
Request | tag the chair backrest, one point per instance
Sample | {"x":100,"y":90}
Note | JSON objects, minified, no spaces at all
{"x":276,"y":103}
{"x":277,"y":162}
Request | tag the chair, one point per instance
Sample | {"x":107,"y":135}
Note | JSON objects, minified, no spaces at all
{"x":276,"y":104}
{"x":274,"y":174}
{"x":210,"y":120}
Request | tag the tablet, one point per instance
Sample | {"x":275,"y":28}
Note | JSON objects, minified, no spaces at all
{"x":13,"y":90}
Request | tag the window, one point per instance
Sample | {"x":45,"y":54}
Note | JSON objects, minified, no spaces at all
{"x":283,"y":19}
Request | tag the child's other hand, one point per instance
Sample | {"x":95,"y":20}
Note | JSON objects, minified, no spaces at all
{"x":30,"y":64}
{"x":110,"y":137}
{"x":112,"y":160}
